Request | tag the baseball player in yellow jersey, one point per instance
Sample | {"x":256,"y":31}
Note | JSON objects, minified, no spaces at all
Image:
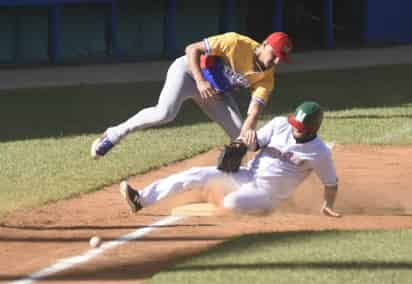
{"x":209,"y":72}
{"x":289,"y":151}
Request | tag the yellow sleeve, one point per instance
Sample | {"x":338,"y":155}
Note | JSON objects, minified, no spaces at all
{"x":262,"y":90}
{"x":221,"y":45}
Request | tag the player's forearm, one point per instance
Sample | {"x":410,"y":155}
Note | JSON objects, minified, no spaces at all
{"x":252,"y":116}
{"x":193,"y":56}
{"x":330,"y":195}
{"x":250,"y":122}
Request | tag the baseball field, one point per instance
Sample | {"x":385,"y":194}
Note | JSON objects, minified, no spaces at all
{"x":54,"y":197}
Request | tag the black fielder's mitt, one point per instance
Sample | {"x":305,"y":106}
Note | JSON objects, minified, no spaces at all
{"x":231,"y":157}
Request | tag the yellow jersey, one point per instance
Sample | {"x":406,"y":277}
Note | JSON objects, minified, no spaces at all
{"x":237,"y":51}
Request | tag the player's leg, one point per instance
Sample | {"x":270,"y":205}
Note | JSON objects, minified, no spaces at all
{"x":249,"y":199}
{"x":178,"y":87}
{"x":245,"y":197}
{"x":194,"y":178}
{"x":225,"y":111}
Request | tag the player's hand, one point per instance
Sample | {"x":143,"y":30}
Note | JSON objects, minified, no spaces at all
{"x":328,"y":211}
{"x":205,"y":89}
{"x":248,"y":136}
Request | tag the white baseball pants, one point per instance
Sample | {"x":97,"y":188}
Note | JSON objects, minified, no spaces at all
{"x":243,"y":196}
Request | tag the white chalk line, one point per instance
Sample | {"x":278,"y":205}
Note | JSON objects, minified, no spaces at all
{"x":66,"y":263}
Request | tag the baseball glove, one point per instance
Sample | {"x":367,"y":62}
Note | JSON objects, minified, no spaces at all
{"x":231,"y":156}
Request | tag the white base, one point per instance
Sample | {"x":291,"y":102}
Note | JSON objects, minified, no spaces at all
{"x":196,"y":209}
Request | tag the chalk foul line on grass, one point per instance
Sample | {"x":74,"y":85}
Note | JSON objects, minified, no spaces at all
{"x":70,"y":262}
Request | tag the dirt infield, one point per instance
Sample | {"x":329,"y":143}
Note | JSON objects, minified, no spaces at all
{"x":374,"y":193}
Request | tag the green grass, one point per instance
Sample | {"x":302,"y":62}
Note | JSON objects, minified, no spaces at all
{"x":333,"y":257}
{"x":37,"y":171}
{"x":384,"y":125}
{"x":46,"y":132}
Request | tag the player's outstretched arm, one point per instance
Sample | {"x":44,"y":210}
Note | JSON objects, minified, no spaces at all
{"x":248,"y":131}
{"x":330,"y":197}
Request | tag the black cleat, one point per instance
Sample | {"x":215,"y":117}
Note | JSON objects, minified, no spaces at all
{"x":131,"y":196}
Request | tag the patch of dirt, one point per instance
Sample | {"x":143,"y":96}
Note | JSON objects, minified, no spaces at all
{"x":374,"y":193}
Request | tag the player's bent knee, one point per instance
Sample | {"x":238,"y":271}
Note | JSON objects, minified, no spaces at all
{"x":178,"y":67}
{"x":165,"y":115}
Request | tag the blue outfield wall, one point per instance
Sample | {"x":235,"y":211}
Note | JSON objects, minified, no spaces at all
{"x":140,"y":28}
{"x":205,"y":15}
{"x":39,"y":31}
{"x":47,"y":2}
{"x":23,"y":34}
{"x":83,"y":31}
{"x":388,"y":21}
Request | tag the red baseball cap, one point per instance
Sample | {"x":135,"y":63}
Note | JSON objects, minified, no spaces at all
{"x":281,"y":44}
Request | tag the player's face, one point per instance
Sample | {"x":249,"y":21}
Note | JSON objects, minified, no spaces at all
{"x":298,"y":134}
{"x":267,"y":56}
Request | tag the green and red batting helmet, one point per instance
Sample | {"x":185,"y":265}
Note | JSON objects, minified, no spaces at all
{"x":307,"y":117}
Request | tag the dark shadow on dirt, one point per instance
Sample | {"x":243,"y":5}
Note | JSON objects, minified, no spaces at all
{"x":94,"y":227}
{"x":69,"y":239}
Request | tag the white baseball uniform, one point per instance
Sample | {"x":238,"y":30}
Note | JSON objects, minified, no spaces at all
{"x":275,"y":172}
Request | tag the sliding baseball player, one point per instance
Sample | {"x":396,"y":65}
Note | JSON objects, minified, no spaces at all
{"x":290,"y":150}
